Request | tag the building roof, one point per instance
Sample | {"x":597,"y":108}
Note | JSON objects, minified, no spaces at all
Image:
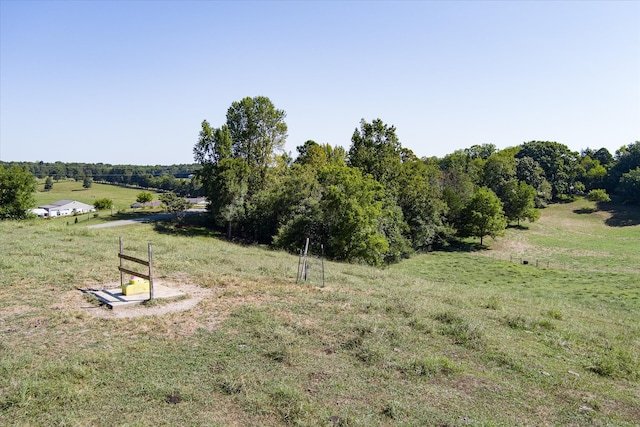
{"x":67,"y":204}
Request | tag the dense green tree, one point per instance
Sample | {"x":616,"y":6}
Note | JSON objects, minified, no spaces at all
{"x":591,"y":173}
{"x":557,"y":161}
{"x":101,"y":204}
{"x":459,"y":174}
{"x":144,"y":197}
{"x":229,"y":192}
{"x":602,"y":155}
{"x":530,"y":172}
{"x":498,"y":170}
{"x":375,"y":150}
{"x":174,"y":204}
{"x":311,"y":154}
{"x":629,"y":186}
{"x":598,"y":195}
{"x":482,"y":151}
{"x":302,"y":215}
{"x":420,"y":199}
{"x":519,"y":201}
{"x":17,"y":186}
{"x":257,"y":131}
{"x":346,"y":211}
{"x":627,"y":158}
{"x":87,"y":182}
{"x":352,"y":211}
{"x":483,"y":215}
{"x":238,"y":160}
{"x":48,"y":184}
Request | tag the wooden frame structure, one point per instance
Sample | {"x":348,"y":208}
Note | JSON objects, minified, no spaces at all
{"x":148,"y":264}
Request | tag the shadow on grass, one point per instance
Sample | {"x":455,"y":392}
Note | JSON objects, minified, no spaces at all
{"x":463,"y":246}
{"x":107,"y":217}
{"x":194,"y":225}
{"x":622,"y":215}
{"x":521,"y":227}
{"x":584,"y":211}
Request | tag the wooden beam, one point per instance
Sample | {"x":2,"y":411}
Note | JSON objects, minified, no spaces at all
{"x":134,"y":273}
{"x":133,"y":259}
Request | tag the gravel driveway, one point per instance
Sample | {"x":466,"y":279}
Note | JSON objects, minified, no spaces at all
{"x":149,"y":218}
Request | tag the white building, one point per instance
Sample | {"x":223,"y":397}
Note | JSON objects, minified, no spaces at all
{"x":62,"y":208}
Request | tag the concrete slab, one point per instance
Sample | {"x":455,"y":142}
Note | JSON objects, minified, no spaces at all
{"x":114,"y":298}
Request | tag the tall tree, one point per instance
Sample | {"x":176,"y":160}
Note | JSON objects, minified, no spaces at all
{"x":258,"y":131}
{"x":375,"y":149}
{"x":530,"y":172}
{"x":17,"y":186}
{"x":174,"y":204}
{"x":420,"y":199}
{"x":483,"y":215}
{"x":352,"y":207}
{"x":629,"y":186}
{"x":519,"y":201}
{"x":627,"y":159}
{"x":48,"y":184}
{"x":229,"y":192}
{"x":87,"y":182}
{"x":498,"y":169}
{"x":557,"y":161}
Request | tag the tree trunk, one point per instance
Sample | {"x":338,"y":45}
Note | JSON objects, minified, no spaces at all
{"x":228,"y":230}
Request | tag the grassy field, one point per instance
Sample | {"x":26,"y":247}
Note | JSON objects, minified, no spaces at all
{"x":72,"y":190}
{"x":449,"y":338}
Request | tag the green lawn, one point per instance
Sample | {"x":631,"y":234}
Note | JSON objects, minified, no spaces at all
{"x":72,"y":190}
{"x":447,"y":338}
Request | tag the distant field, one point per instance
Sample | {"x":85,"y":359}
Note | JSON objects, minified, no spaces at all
{"x":448,"y":338}
{"x":72,"y":190}
{"x":577,"y":236}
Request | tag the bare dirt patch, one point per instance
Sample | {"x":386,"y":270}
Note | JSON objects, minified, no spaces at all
{"x":194,"y":295}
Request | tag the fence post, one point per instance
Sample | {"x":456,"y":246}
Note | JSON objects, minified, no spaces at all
{"x":322,"y":261}
{"x":304,"y":262}
{"x":151,"y":294}
{"x":121,"y":275}
{"x":299,"y":262}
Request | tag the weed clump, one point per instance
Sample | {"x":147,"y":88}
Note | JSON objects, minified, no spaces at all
{"x":460,"y":330}
{"x":430,"y":367}
{"x":617,"y":363}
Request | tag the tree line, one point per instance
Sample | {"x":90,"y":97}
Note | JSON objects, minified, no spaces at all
{"x":175,"y":178}
{"x":377,"y":202}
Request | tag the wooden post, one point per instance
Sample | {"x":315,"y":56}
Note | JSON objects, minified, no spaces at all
{"x":151,"y":295}
{"x":121,"y":274}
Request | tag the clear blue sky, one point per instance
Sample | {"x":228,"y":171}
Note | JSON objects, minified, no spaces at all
{"x":126,"y":82}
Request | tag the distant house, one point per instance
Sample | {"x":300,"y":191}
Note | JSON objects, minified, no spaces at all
{"x":196,"y":200}
{"x":153,"y":204}
{"x":62,"y":208}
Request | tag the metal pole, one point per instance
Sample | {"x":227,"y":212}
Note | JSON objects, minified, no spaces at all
{"x":304,"y":263}
{"x":299,"y":262}
{"x":322,"y":261}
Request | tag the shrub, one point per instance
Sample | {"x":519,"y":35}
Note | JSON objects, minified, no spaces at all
{"x":101,"y":204}
{"x":598,"y":195}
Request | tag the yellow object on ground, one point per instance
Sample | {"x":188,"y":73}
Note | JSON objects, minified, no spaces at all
{"x":135,"y":286}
